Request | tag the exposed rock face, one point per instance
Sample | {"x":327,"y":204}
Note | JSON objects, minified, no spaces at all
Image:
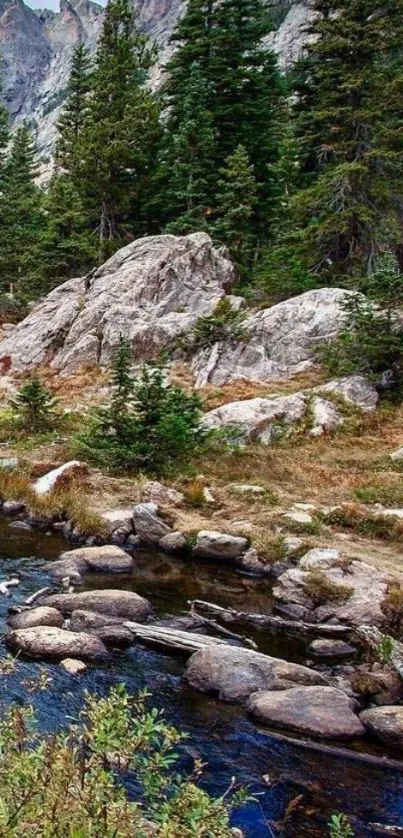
{"x":124,"y":604}
{"x":264,"y":419}
{"x":280,"y":341}
{"x":386,"y":723}
{"x":234,"y":674}
{"x":49,"y":642}
{"x":320,"y":711}
{"x":151,"y":291}
{"x":36,"y":49}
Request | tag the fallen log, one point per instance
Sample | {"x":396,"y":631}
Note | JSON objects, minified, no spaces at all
{"x":270,"y":621}
{"x":9,"y":583}
{"x":179,"y":641}
{"x":31,"y":599}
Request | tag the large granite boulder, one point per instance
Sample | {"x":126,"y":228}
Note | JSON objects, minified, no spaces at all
{"x":49,"y":642}
{"x":149,"y":524}
{"x":219,"y":545}
{"x":40,"y":616}
{"x":325,"y":712}
{"x":264,"y":419}
{"x":233,"y":674}
{"x":152,"y":290}
{"x":104,"y":559}
{"x":124,"y":604}
{"x":386,"y":723}
{"x":279,"y":341}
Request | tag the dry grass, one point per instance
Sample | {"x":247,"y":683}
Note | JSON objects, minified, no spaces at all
{"x":240,"y":390}
{"x":321,"y":589}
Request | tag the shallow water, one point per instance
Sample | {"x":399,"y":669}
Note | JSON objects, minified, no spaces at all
{"x":276,"y":772}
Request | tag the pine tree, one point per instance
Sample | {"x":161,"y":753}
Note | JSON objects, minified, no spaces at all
{"x":4,"y":140}
{"x":246,"y":93}
{"x":236,"y":205}
{"x":74,"y":116}
{"x":349,"y":122}
{"x":187,"y":169}
{"x":120,"y":142}
{"x":22,"y":214}
{"x":65,"y":247}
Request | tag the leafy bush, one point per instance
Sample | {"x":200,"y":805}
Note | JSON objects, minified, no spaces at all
{"x":71,"y":783}
{"x":34,"y":407}
{"x":321,"y":589}
{"x":391,"y":496}
{"x":149,"y":425}
{"x":340,"y":827}
{"x":225,"y":324}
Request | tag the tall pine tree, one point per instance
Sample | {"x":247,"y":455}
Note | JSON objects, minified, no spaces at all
{"x":236,"y":204}
{"x":73,"y":120}
{"x":123,"y":128}
{"x":22,"y":215}
{"x":350,"y":128}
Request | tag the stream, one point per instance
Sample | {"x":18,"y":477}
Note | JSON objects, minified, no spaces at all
{"x":275,"y":772}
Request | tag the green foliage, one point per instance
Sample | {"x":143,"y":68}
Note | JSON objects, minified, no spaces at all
{"x":149,"y":425}
{"x":225,"y":324}
{"x":340,"y":827}
{"x":348,"y":124}
{"x":74,"y":117}
{"x":34,"y":407}
{"x":71,"y":783}
{"x":389,"y":496}
{"x":384,"y":649}
{"x":370,"y":343}
{"x":236,"y":203}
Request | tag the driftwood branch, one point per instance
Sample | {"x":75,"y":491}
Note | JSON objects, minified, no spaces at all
{"x":7,"y":584}
{"x":269,"y":621}
{"x":31,"y":599}
{"x":180,"y":641}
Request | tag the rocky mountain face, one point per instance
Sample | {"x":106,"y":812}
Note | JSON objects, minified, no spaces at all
{"x":36,"y":48}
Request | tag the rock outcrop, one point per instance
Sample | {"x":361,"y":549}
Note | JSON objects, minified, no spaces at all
{"x":325,"y":712}
{"x":151,"y":291}
{"x":385,"y":723}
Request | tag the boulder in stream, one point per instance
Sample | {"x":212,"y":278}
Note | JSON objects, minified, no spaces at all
{"x":149,"y":525}
{"x":219,"y":545}
{"x":40,"y":616}
{"x":110,"y":629}
{"x":73,"y":666}
{"x":325,"y":712}
{"x":234,"y":674}
{"x":105,"y":559}
{"x":125,"y":604}
{"x":51,"y":643}
{"x":386,"y":723}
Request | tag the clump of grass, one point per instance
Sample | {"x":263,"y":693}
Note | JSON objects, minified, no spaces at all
{"x":392,"y":609}
{"x":322,"y":590}
{"x":356,"y":518}
{"x":365,"y":684}
{"x":391,"y":496}
{"x":298,"y":528}
{"x":14,"y":485}
{"x":194,"y":493}
{"x":270,"y":546}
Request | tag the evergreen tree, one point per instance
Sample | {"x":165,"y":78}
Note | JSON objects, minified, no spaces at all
{"x":65,"y":247}
{"x":349,"y":123}
{"x":236,"y":205}
{"x":34,"y":406}
{"x":123,"y":129}
{"x":74,"y":116}
{"x":4,"y":140}
{"x":245,"y":101}
{"x":22,"y":216}
{"x":187,"y":169}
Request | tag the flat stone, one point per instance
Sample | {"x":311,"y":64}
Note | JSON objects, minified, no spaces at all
{"x":55,"y":643}
{"x":104,"y":559}
{"x":13,"y":507}
{"x":110,"y":629}
{"x":154,"y":492}
{"x":319,"y":711}
{"x":149,"y":524}
{"x":73,"y":666}
{"x":396,"y":456}
{"x":233,"y":674}
{"x":246,"y":489}
{"x":327,"y":648}
{"x":320,"y":558}
{"x":354,"y":389}
{"x":298,"y":516}
{"x":118,"y":518}
{"x":292,"y":545}
{"x":20,"y":525}
{"x":125,"y":604}
{"x":386,"y":723}
{"x":211,"y":544}
{"x":174,"y":542}
{"x":40,"y":616}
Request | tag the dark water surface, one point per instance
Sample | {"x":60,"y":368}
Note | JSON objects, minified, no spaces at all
{"x":279,"y":774}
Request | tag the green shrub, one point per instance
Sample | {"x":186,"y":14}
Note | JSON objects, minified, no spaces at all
{"x":34,"y":407}
{"x":354,"y":517}
{"x":340,"y":827}
{"x":70,"y":784}
{"x":391,"y":496}
{"x":224,"y":324}
{"x":148,"y":426}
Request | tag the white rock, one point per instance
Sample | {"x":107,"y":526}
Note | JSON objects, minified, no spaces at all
{"x":257,"y":419}
{"x":397,"y":455}
{"x":299,"y":517}
{"x":325,"y":417}
{"x":218,"y":545}
{"x":73,"y":667}
{"x":117,"y":518}
{"x":48,"y":481}
{"x":151,"y":291}
{"x":246,"y":489}
{"x":280,"y":341}
{"x":157,"y":493}
{"x":320,"y":559}
{"x":354,"y":389}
